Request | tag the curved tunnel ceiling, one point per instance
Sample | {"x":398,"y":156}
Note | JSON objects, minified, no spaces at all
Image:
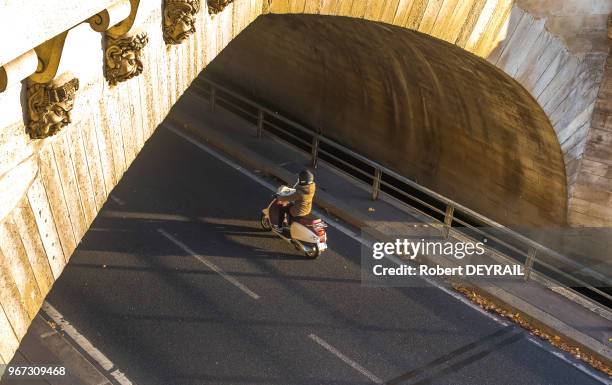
{"x":421,"y":106}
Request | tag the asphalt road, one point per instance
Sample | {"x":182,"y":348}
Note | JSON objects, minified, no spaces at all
{"x":167,"y":317}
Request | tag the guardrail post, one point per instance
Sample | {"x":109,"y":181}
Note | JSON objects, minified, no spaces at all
{"x":531,"y":255}
{"x":260,"y":123}
{"x":448,"y":219}
{"x":213,"y":95}
{"x":315,"y":151}
{"x":376,"y":184}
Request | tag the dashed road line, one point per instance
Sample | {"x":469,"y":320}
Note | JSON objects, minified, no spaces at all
{"x":118,"y":201}
{"x":209,"y":264}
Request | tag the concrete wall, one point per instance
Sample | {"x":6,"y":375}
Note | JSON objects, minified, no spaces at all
{"x":425,"y":108}
{"x":52,"y":189}
{"x":528,"y":39}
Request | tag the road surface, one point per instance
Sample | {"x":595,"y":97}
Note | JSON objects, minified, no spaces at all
{"x":176,"y":284}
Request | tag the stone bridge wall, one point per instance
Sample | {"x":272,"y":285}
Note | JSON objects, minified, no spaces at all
{"x":52,"y":189}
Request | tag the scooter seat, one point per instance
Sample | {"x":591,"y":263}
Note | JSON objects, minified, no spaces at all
{"x":309,"y":220}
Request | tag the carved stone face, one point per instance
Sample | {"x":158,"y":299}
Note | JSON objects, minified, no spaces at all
{"x":59,"y":114}
{"x":179,"y":21}
{"x":127,"y":62}
{"x":216,"y":6}
{"x":123,"y":58}
{"x":49,"y":107}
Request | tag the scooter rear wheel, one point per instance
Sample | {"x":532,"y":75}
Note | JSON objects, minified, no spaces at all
{"x":265,"y":222}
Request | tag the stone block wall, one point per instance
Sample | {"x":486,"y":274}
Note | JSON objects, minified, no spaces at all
{"x":591,"y":200}
{"x":52,"y":189}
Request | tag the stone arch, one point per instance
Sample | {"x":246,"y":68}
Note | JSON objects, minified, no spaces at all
{"x":426,"y":108}
{"x":564,"y":82}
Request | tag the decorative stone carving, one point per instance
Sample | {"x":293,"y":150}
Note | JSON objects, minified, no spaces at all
{"x":125,"y":27}
{"x":123,"y":57}
{"x":49,"y":107}
{"x":114,"y":14}
{"x":179,"y":19}
{"x":216,"y":6}
{"x":49,"y":56}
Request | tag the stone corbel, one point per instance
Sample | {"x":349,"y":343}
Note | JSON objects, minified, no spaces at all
{"x":179,"y":20}
{"x":49,"y":105}
{"x":216,"y":6}
{"x":123,"y":57}
{"x":49,"y":56}
{"x":111,"y":16}
{"x":49,"y":100}
{"x":123,"y":48}
{"x":125,"y":27}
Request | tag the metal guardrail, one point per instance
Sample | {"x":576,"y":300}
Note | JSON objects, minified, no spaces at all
{"x":514,"y":245}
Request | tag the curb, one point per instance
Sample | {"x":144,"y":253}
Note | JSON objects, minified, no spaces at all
{"x":543,"y":325}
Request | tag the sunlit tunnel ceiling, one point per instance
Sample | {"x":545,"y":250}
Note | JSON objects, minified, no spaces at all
{"x":423,"y":107}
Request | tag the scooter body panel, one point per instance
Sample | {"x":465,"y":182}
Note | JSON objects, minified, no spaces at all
{"x":301,"y":233}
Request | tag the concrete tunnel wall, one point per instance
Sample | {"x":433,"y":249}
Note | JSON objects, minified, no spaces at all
{"x":425,"y":108}
{"x":555,"y":49}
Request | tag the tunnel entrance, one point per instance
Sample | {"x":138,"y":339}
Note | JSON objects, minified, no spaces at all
{"x":422,"y":107}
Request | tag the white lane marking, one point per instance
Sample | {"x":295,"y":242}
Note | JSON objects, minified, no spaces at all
{"x":117,"y":200}
{"x":83,"y":342}
{"x":345,"y":359}
{"x":600,"y":377}
{"x":209,"y":264}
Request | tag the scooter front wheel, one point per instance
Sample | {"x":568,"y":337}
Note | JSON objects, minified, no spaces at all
{"x":265,"y":222}
{"x":313,"y":252}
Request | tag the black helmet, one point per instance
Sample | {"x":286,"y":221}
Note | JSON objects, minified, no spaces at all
{"x":305,"y":177}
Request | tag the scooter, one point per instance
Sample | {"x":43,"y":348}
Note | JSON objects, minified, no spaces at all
{"x":307,"y":234}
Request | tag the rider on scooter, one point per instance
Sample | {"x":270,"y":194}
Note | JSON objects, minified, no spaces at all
{"x":300,"y":201}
